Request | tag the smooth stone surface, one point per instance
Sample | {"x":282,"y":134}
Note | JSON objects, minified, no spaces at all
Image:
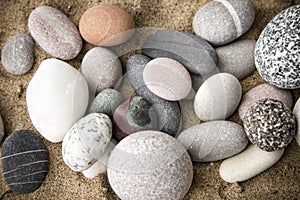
{"x":169,"y":115}
{"x":237,"y":58}
{"x":57,"y":96}
{"x":270,"y":125}
{"x":214,"y":140}
{"x":167,"y":79}
{"x":54,"y":32}
{"x":102,"y":69}
{"x":1,"y":129}
{"x":261,"y":92}
{"x":25,"y":161}
{"x":106,"y":25}
{"x":197,"y":55}
{"x":222,"y":21}
{"x":17,"y":55}
{"x":106,"y":102}
{"x":277,"y":50}
{"x":218,"y":97}
{"x":86,"y":141}
{"x":150,"y":165}
{"x":100,"y":166}
{"x":248,"y":164}
{"x":296,"y":112}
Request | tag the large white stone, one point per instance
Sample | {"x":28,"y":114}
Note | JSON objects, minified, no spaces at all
{"x":57,"y":96}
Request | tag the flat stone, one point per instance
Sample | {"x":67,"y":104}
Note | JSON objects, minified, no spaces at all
{"x":264,"y":91}
{"x":214,"y":140}
{"x":237,"y":58}
{"x":25,"y":161}
{"x":222,"y":21}
{"x":86,"y":141}
{"x":218,"y":97}
{"x":277,"y":50}
{"x":54,"y":32}
{"x":17,"y":55}
{"x":150,"y":165}
{"x":57,"y":96}
{"x":296,"y":112}
{"x":248,"y":164}
{"x":1,"y":129}
{"x":196,"y":54}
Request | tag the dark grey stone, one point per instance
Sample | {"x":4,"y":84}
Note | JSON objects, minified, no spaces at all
{"x":25,"y":161}
{"x":197,"y":55}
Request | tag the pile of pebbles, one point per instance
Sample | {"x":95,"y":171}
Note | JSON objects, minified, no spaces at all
{"x":138,"y":141}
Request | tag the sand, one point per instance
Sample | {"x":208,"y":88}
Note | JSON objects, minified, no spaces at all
{"x":282,"y":181}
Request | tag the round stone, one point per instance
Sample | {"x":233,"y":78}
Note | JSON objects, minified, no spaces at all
{"x":86,"y":141}
{"x":296,"y":112}
{"x":150,"y":165}
{"x":54,"y":32}
{"x":270,"y":125}
{"x":222,"y":21}
{"x":106,"y":25}
{"x":277,"y":50}
{"x":1,"y":129}
{"x":17,"y":55}
{"x":25,"y":161}
{"x":167,"y":79}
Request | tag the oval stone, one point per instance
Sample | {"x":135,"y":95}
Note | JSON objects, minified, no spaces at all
{"x":1,"y":129}
{"x":261,"y":92}
{"x":57,"y":96}
{"x":218,"y":97}
{"x":102,"y":69}
{"x":106,"y":25}
{"x":237,"y":58}
{"x":214,"y":140}
{"x":296,"y":112}
{"x":17,"y":55}
{"x":25,"y":161}
{"x":86,"y":141}
{"x":222,"y":21}
{"x":150,"y":164}
{"x":54,"y":32}
{"x":167,"y":79}
{"x":277,"y":50}
{"x":248,"y":164}
{"x":196,"y":54}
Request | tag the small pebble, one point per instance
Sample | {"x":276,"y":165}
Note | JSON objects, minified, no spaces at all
{"x":86,"y":141}
{"x":237,"y":58}
{"x":296,"y":112}
{"x":277,"y":50}
{"x":270,"y":125}
{"x":150,"y":165}
{"x":101,"y":68}
{"x":222,"y":21}
{"x":264,"y":91}
{"x":106,"y":25}
{"x":218,"y":97}
{"x":25,"y":161}
{"x":57,"y":96}
{"x":248,"y":164}
{"x":214,"y":140}
{"x":17,"y":55}
{"x":54,"y":32}
{"x":197,"y":55}
{"x":167,"y":78}
{"x":1,"y":129}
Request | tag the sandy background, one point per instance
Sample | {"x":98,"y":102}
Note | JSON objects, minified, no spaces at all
{"x":280,"y":182}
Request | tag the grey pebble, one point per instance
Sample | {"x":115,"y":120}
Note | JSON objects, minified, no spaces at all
{"x":17,"y":55}
{"x":296,"y":112}
{"x":1,"y":129}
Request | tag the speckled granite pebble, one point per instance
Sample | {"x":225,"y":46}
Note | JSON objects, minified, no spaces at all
{"x":197,"y":55}
{"x":1,"y":129}
{"x":237,"y":58}
{"x":86,"y":141}
{"x":261,"y":92}
{"x":218,"y":97}
{"x":17,"y":55}
{"x":214,"y":140}
{"x":296,"y":112}
{"x":277,"y":50}
{"x":25,"y":161}
{"x":270,"y":125}
{"x":222,"y":21}
{"x":54,"y":32}
{"x":150,"y":165}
